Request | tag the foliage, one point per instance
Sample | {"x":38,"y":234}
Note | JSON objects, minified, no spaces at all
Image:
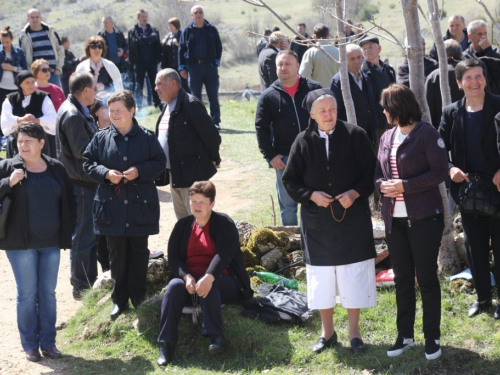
{"x":368,"y":11}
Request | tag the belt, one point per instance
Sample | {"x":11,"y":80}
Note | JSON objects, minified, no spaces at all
{"x":201,"y":61}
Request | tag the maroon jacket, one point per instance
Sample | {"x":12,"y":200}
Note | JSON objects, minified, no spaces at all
{"x":422,"y":165}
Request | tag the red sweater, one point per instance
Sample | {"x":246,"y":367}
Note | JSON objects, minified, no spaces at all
{"x":56,"y":95}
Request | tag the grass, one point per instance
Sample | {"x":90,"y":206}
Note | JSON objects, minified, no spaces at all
{"x":93,"y":344}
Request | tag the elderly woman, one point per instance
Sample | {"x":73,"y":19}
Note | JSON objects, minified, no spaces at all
{"x":125,"y":159}
{"x":170,"y":49}
{"x":206,"y":263}
{"x":470,"y":132}
{"x":330,"y":172}
{"x":41,"y":221}
{"x":28,"y":104}
{"x":106,"y":74}
{"x":41,"y":71}
{"x":412,"y":162}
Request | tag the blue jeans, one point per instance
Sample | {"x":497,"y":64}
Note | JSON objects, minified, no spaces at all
{"x":288,"y":207}
{"x":35,"y":271}
{"x":55,"y":79}
{"x":83,"y":255}
{"x":208,"y":75}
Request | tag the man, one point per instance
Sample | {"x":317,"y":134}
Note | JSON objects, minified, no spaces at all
{"x":456,"y":31}
{"x":433,"y":87}
{"x":279,"y":118}
{"x":298,"y":47}
{"x":315,"y":64}
{"x":481,"y":48}
{"x":263,"y":41}
{"x":200,"y":51}
{"x":381,"y":76}
{"x":403,"y":75}
{"x":74,"y":130}
{"x":189,"y":139}
{"x":144,"y":54}
{"x":40,"y":41}
{"x":267,"y":59}
{"x":362,"y":93}
{"x":117,"y":47}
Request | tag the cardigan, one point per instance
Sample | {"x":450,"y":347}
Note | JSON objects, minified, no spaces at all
{"x":110,"y":67}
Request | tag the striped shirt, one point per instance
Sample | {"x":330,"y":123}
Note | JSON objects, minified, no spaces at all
{"x":399,"y":206}
{"x":42,"y":48}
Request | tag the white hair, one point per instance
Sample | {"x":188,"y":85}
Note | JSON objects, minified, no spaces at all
{"x":324,"y":96}
{"x":196,"y":7}
{"x":471,"y":28}
{"x":353,"y":47}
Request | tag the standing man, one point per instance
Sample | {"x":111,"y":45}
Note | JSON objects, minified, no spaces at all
{"x":403,"y":74}
{"x":144,"y":54}
{"x":267,"y":59}
{"x":40,"y":41}
{"x":117,"y":48}
{"x":200,"y":51}
{"x":298,"y":47}
{"x":188,"y":137}
{"x":456,"y":31}
{"x":279,"y":118}
{"x":74,"y":130}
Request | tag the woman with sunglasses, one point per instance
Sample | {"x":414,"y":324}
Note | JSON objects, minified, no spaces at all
{"x":41,"y":70}
{"x":106,"y":74}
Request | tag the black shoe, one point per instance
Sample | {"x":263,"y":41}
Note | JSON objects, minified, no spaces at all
{"x":496,"y":314}
{"x":166,"y":354}
{"x":357,"y":345}
{"x":400,"y":346}
{"x":33,"y":355}
{"x":137,"y":302}
{"x":116,"y":311}
{"x":432,"y":349}
{"x":322,"y":343}
{"x":477,"y":308}
{"x":216,"y":345}
{"x":77,"y":295}
{"x":52,"y":352}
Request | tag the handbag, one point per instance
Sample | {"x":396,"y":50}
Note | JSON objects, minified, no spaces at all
{"x":4,"y":213}
{"x":479,"y":196}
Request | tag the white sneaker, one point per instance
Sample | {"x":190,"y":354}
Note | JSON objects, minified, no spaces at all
{"x":400,"y":346}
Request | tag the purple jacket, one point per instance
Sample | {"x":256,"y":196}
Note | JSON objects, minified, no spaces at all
{"x":422,"y":164}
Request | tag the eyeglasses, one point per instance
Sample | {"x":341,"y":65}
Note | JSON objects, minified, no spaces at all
{"x":198,"y":12}
{"x":94,"y":45}
{"x":45,"y":70}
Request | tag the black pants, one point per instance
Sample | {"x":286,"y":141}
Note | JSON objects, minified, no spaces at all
{"x":416,"y":247}
{"x":103,"y":253}
{"x":141,"y":68}
{"x":128,"y":257}
{"x":478,"y":230}
{"x":224,"y":290}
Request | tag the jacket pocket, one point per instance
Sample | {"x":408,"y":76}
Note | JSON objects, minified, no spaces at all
{"x":196,"y":168}
{"x":102,"y":210}
{"x":146,"y":209}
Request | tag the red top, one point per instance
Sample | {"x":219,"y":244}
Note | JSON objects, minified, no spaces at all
{"x":292,"y":90}
{"x":56,"y":94}
{"x":200,"y":250}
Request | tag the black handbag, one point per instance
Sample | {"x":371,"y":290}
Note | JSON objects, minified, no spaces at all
{"x":163,"y":179}
{"x":479,"y":196}
{"x":4,"y":213}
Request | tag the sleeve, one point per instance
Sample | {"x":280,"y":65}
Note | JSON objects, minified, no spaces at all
{"x":71,"y":63}
{"x":5,"y":188}
{"x":270,"y":67}
{"x":366,"y":160}
{"x":131,"y":47}
{"x":74,"y":129}
{"x":115,"y":75}
{"x":70,"y":195}
{"x":60,"y":53}
{"x":379,"y":175}
{"x":23,"y":65}
{"x":293,"y":176}
{"x":182,"y":50}
{"x":492,"y":62}
{"x":430,"y":94}
{"x":175,"y":262}
{"x":403,"y":74}
{"x":307,"y":65}
{"x":263,"y":121}
{"x":433,"y":52}
{"x":205,"y":127}
{"x":49,"y":118}
{"x":8,"y":120}
{"x":92,"y":163}
{"x":227,"y":243}
{"x":157,"y":163}
{"x":336,"y":88}
{"x":218,"y":46}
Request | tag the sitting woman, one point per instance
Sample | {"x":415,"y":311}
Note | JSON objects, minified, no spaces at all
{"x":206,"y":262}
{"x":41,"y":70}
{"x":106,"y":74}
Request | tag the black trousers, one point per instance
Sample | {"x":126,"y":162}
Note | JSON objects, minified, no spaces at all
{"x":411,"y":248}
{"x":141,"y":68}
{"x":128,"y":258}
{"x":478,"y":230}
{"x":103,"y":253}
{"x":224,"y":290}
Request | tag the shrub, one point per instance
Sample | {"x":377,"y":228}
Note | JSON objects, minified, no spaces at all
{"x":368,"y":11}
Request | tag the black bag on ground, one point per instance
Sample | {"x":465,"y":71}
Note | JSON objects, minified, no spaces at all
{"x":479,"y":196}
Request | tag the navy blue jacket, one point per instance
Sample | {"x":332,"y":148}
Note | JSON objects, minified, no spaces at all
{"x":18,"y":59}
{"x":132,"y":209}
{"x":187,"y":41}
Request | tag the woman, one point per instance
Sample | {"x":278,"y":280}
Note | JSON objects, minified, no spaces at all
{"x":100,"y":113}
{"x":106,"y":74}
{"x":206,"y":264}
{"x":41,"y":221}
{"x":412,"y":162}
{"x":170,"y":49}
{"x":125,"y":159}
{"x":12,"y":61}
{"x":41,"y":71}
{"x":330,"y":172}
{"x":28,"y":104}
{"x":469,"y":129}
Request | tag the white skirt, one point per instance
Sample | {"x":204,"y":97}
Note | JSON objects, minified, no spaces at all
{"x":351,"y":285}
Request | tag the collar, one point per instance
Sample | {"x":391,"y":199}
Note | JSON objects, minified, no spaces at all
{"x":132,"y":133}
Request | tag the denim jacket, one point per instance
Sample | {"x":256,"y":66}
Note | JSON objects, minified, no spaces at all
{"x":18,"y":58}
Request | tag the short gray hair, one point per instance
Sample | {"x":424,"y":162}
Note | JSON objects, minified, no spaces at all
{"x":453,"y":49}
{"x":168,"y":75}
{"x":353,"y":47}
{"x":474,"y":25}
{"x":195,"y":7}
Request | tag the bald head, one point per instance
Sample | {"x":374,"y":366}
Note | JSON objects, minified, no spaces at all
{"x":34,"y":18}
{"x":108,"y":23}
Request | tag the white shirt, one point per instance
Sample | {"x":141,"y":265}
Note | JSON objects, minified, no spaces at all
{"x":7,"y":82}
{"x":323,"y":135}
{"x":359,"y":81}
{"x":163,"y":129}
{"x":399,"y":206}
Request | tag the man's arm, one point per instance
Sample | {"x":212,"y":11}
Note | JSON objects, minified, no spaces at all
{"x":59,"y":52}
{"x":263,"y":121}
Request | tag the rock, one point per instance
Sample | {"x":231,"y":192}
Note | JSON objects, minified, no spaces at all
{"x":244,"y":230}
{"x":156,"y":299}
{"x":282,"y":262}
{"x":295,"y":258}
{"x":300,"y":272}
{"x":382,"y":252}
{"x":378,"y":230}
{"x":457,"y":224}
{"x":264,"y":240}
{"x":158,"y":271}
{"x":291,"y":230}
{"x":104,"y":281}
{"x":294,"y":242}
{"x":460,"y":247}
{"x":270,"y":259}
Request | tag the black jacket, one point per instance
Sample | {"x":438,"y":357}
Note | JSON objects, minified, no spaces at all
{"x":17,"y":222}
{"x":299,"y":48}
{"x":267,"y":66}
{"x":121,"y":43}
{"x":74,"y":131}
{"x":70,"y":64}
{"x":133,"y":36}
{"x":193,"y":141}
{"x":492,"y":65}
{"x":187,"y":42}
{"x":279,"y":118}
{"x":170,"y":52}
{"x":452,"y":130}
{"x":464,"y":43}
{"x":132,"y":209}
{"x":228,"y":254}
{"x":404,"y":70}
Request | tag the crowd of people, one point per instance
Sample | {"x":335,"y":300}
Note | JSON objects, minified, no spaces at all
{"x":82,"y":173}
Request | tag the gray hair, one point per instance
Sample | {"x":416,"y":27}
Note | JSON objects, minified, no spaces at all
{"x":324,"y":96}
{"x":168,"y":75}
{"x":196,"y":7}
{"x":456,"y":16}
{"x":79,"y":81}
{"x":277,"y":37}
{"x":453,"y":49}
{"x":353,"y":47}
{"x":471,"y":28}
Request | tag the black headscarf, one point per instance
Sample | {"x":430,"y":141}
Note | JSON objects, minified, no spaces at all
{"x":21,"y":76}
{"x":311,"y":97}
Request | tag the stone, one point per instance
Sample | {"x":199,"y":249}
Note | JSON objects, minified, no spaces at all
{"x":291,"y":230}
{"x":460,"y":247}
{"x":294,"y":242}
{"x":382,"y":252}
{"x":457,"y":224}
{"x":262,"y":241}
{"x":156,"y":299}
{"x":104,"y":281}
{"x":300,"y":273}
{"x":158,"y":271}
{"x":295,"y":258}
{"x":270,"y":259}
{"x":244,"y":230}
{"x":378,"y":229}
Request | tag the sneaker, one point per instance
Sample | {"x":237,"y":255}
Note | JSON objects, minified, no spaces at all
{"x":432,"y":349}
{"x":400,"y":346}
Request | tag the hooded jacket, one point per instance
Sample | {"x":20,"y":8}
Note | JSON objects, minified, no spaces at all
{"x":27,"y":46}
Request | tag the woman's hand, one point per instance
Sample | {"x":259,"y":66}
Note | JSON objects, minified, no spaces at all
{"x":175,"y":41}
{"x":204,"y":285}
{"x":321,"y":198}
{"x":7,"y":66}
{"x":347,"y":199}
{"x":114,"y":176}
{"x":392,"y":188}
{"x":15,"y":177}
{"x":26,"y":118}
{"x":496,"y":179}
{"x":190,"y":284}
{"x":131,"y":173}
{"x":457,"y":175}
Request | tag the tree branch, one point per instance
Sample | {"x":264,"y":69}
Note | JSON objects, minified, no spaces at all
{"x":495,"y":23}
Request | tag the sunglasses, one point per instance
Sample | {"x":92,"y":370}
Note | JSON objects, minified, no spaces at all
{"x":94,"y":46}
{"x":45,"y":70}
{"x":198,"y":12}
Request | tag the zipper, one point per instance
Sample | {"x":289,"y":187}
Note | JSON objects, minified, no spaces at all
{"x":296,"y":114}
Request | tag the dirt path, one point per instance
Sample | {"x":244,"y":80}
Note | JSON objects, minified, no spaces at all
{"x":12,"y":359}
